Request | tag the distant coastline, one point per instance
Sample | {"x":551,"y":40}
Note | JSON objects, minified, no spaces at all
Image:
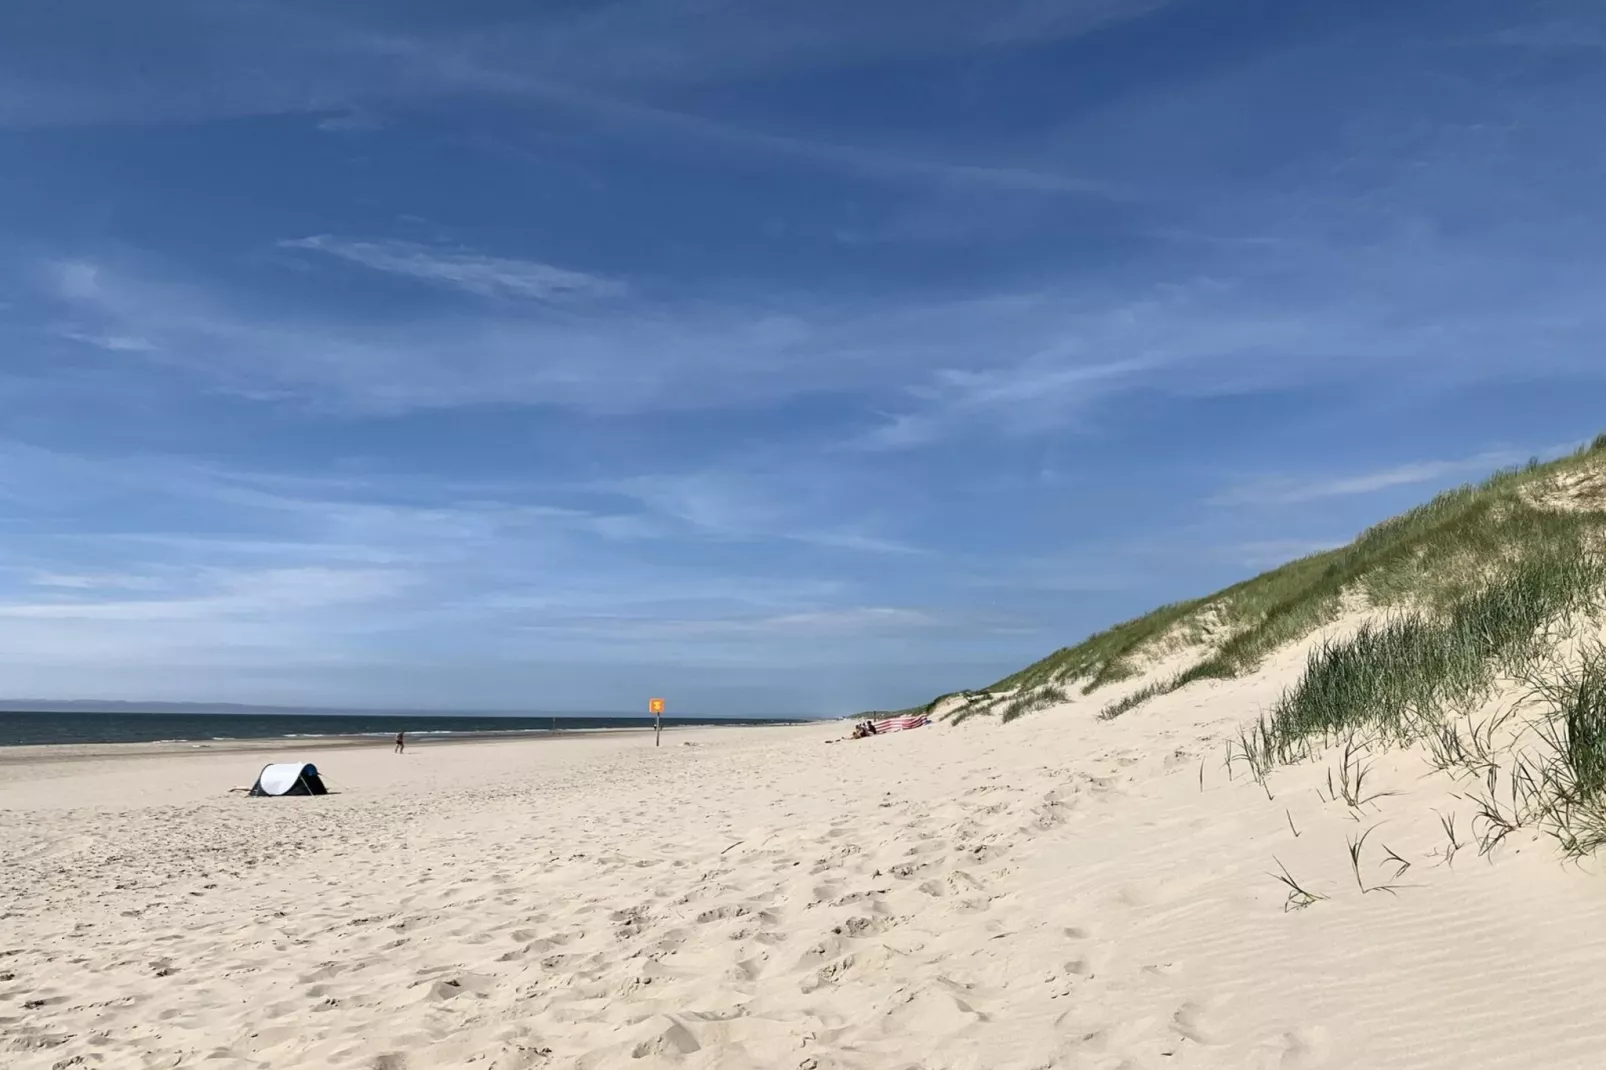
{"x":36,"y":705}
{"x":122,"y":724}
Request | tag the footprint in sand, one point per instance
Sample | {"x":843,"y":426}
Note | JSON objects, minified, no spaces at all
{"x":675,"y":1040}
{"x":1084,"y":966}
{"x":1192,"y":1022}
{"x":747,"y":970}
{"x":1302,"y":1049}
{"x":859,"y":926}
{"x":827,"y":975}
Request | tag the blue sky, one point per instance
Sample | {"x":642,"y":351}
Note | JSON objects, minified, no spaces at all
{"x":774,"y":357}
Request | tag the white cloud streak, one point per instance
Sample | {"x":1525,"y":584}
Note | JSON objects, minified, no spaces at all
{"x":1286,"y":490}
{"x":1019,"y":400}
{"x":112,"y":343}
{"x":472,"y":272}
{"x":832,"y":623}
{"x":738,"y":505}
{"x":94,"y":581}
{"x":228,"y":594}
{"x":1268,"y":553}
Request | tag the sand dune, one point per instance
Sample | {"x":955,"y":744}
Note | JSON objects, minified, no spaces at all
{"x":1059,"y":892}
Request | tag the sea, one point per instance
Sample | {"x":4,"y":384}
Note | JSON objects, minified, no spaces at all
{"x":19,"y":728}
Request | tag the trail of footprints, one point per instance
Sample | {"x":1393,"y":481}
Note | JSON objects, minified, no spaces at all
{"x":890,"y":898}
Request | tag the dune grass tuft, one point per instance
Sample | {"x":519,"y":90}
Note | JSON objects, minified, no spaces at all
{"x":1572,"y":784}
{"x":1105,"y":658}
{"x":1583,"y":709}
{"x":1395,"y":678}
{"x":1406,"y":681}
{"x":1136,"y":699}
{"x":1031,"y":702}
{"x":1299,"y":897}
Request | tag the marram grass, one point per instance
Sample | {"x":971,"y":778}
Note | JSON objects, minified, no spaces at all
{"x":1451,"y":565}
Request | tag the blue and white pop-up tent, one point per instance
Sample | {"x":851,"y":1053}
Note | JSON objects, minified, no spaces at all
{"x":289,"y":778}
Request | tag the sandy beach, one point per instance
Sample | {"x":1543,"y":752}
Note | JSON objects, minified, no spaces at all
{"x":1057,"y":892}
{"x":540,"y":417}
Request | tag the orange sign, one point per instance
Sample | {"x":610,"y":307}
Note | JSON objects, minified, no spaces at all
{"x":655,"y":706}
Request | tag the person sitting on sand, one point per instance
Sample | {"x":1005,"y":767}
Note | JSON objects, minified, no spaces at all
{"x":401,"y":742}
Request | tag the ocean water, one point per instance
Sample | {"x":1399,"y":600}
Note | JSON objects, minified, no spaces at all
{"x":19,"y":728}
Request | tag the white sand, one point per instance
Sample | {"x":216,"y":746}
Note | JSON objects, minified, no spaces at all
{"x":1058,"y":892}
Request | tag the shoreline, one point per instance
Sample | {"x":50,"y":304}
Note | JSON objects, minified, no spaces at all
{"x":28,"y":753}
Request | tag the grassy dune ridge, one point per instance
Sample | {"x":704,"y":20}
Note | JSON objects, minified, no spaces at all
{"x":1526,"y":541}
{"x":1481,"y":641}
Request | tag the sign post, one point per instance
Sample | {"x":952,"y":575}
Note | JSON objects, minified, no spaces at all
{"x":656,"y":708}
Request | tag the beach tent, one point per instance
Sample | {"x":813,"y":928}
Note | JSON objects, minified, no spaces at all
{"x":289,"y":778}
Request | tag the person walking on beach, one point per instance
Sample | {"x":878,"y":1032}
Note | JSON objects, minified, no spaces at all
{"x":401,"y":742}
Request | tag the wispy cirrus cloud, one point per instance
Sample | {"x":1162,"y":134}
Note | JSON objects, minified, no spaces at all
{"x":657,"y":357}
{"x":1290,"y":490}
{"x":462,"y":269}
{"x":1018,"y":362}
{"x":596,"y":64}
{"x":1205,"y":335}
{"x":221,"y":594}
{"x":1573,"y":32}
{"x":94,"y":581}
{"x":648,"y":42}
{"x":1268,"y":553}
{"x":264,"y":54}
{"x":860,"y":621}
{"x":296,"y":557}
{"x":856,"y":541}
{"x":355,"y":119}
{"x":113,"y":343}
{"x":746,"y":506}
{"x":1022,"y":399}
